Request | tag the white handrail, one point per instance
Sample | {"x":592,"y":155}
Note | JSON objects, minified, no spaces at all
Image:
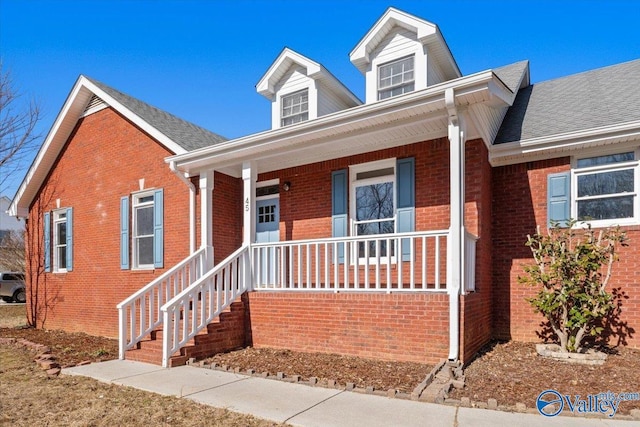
{"x":139,"y":314}
{"x":195,"y":307}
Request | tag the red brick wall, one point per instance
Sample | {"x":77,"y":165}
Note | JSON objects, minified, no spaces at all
{"x":305,"y":210}
{"x":227,"y":215}
{"x":404,"y":327}
{"x":519,"y":204}
{"x":475,"y":308}
{"x":102,"y":161}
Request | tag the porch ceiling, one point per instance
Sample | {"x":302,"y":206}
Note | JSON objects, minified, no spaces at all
{"x":414,"y":117}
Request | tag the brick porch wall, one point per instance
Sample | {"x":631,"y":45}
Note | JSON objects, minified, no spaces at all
{"x":519,"y":204}
{"x":403,"y":327}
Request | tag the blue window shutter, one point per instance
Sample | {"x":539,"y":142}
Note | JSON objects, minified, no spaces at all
{"x":69,"y":239}
{"x":339,"y":188}
{"x":158,"y":225}
{"x":559,"y":198}
{"x":405,"y":173}
{"x":47,"y":241}
{"x":124,"y":233}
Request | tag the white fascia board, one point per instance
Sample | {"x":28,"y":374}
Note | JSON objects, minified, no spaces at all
{"x":469,"y":84}
{"x":266,"y":85}
{"x":54,"y":141}
{"x":549,"y":146}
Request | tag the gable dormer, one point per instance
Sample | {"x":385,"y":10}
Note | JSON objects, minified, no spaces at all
{"x":301,"y":89}
{"x":402,"y":53}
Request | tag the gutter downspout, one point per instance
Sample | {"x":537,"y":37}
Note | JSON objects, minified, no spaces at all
{"x":192,"y":205}
{"x":456,"y":232}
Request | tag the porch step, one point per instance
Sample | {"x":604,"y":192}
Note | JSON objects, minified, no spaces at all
{"x":225,"y":333}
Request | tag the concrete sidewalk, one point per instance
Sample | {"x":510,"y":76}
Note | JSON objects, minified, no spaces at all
{"x":302,"y":405}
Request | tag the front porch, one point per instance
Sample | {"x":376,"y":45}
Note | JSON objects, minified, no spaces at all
{"x":179,"y":307}
{"x":381,"y":210}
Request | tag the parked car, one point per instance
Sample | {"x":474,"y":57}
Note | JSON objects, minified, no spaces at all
{"x":12,"y":287}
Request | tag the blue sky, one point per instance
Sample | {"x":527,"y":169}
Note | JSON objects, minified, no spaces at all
{"x":200,"y":60}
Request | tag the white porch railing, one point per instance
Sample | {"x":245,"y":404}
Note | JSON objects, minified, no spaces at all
{"x":194,"y":308}
{"x":384,"y":262}
{"x":139,"y":314}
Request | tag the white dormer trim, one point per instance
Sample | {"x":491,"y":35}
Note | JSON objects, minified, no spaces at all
{"x":317,"y":78}
{"x":433,"y":61}
{"x":267,"y":84}
{"x":425,"y":32}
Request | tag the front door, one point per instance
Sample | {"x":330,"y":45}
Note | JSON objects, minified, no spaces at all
{"x":268,"y":231}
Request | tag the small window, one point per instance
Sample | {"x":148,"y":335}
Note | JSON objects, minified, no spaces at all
{"x":60,"y":241}
{"x":295,"y":107}
{"x":143,"y":230}
{"x":395,"y":78}
{"x":606,"y":188}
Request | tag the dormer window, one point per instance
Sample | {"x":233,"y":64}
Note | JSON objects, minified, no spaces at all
{"x":295,"y":107}
{"x":395,"y":78}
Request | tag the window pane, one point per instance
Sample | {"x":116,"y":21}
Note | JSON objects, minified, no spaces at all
{"x":605,"y":183}
{"x":145,"y":250}
{"x":380,"y":227}
{"x":607,"y":208}
{"x":144,"y":221}
{"x":61,"y":233}
{"x":605,"y":160}
{"x":62,"y":257}
{"x":374,"y":201}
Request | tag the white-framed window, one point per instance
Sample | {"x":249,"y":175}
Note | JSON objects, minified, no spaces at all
{"x":295,"y":107}
{"x":142,"y":235}
{"x":373,"y":203}
{"x":396,"y":78}
{"x":60,"y":241}
{"x":605,"y":189}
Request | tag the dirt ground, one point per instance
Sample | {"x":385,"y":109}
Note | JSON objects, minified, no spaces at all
{"x":513,"y":372}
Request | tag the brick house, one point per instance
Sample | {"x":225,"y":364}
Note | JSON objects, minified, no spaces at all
{"x":392,"y":228}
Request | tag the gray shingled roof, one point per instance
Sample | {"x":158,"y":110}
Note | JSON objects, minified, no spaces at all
{"x":511,"y":75}
{"x":182,"y":132}
{"x":592,"y":99}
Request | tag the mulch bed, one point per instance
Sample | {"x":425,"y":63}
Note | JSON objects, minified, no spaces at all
{"x":69,"y":348}
{"x":513,"y":372}
{"x":400,"y":376}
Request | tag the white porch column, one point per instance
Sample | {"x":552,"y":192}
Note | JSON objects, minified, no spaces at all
{"x":455,"y":254}
{"x":249,"y":178}
{"x":206,"y":215}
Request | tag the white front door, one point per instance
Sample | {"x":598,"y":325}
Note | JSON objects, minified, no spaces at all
{"x":268,"y":231}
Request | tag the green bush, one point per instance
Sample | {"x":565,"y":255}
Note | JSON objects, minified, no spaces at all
{"x":572,"y":269}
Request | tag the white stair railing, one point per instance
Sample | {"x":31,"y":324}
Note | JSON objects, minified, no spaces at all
{"x":140,"y":314}
{"x":195,"y":307}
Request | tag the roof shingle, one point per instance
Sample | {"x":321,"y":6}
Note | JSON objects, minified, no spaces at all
{"x":188,"y":135}
{"x":601,"y":97}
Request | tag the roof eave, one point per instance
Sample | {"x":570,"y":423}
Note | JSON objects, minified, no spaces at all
{"x":564,"y":144}
{"x":206,"y":157}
